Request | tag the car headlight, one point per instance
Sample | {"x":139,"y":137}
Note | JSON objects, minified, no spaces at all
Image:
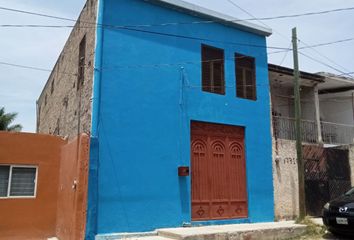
{"x":326,"y":206}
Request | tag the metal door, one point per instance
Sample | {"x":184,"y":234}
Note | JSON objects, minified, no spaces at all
{"x":338,"y":168}
{"x":316,"y":179}
{"x":327,"y":176}
{"x":218,"y":172}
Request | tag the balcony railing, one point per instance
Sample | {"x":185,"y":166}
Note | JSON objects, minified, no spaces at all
{"x":332,"y":133}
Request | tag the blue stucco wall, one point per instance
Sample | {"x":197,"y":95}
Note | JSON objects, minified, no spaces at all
{"x":145,"y":114}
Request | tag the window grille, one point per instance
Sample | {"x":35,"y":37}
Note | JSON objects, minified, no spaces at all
{"x":17,"y":181}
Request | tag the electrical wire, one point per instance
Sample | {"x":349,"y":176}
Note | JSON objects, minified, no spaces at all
{"x":183,"y":23}
{"x":284,"y":57}
{"x":175,"y":35}
{"x":31,"y":68}
{"x":307,"y":46}
{"x":327,"y":58}
{"x":325,"y":64}
{"x":274,"y":30}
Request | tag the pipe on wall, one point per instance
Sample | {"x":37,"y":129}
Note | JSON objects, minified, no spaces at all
{"x":92,"y":199}
{"x":96,"y":92}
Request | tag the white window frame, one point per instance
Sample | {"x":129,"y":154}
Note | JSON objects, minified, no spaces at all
{"x":10,"y":178}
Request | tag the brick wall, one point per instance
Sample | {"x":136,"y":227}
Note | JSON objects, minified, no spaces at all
{"x":63,"y":108}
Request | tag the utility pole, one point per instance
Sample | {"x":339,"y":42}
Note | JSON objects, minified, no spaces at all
{"x":300,"y":161}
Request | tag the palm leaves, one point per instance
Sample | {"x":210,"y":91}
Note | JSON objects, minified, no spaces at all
{"x":6,"y":119}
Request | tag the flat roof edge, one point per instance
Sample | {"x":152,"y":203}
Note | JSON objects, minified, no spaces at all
{"x":219,"y":17}
{"x":290,"y":72}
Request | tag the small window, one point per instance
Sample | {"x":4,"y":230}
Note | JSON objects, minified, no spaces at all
{"x":17,"y":181}
{"x":52,"y":86}
{"x":81,"y":63}
{"x":245,"y":77}
{"x":213,"y":70}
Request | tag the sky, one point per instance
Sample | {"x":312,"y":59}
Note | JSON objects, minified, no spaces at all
{"x":40,"y":47}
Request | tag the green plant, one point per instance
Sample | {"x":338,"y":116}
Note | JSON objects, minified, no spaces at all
{"x":6,"y":119}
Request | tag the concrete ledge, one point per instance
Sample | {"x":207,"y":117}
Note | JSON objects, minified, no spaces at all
{"x":264,"y":231}
{"x":115,"y":236}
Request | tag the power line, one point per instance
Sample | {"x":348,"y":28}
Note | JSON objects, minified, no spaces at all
{"x":36,"y":14}
{"x":316,"y":45}
{"x":32,"y":68}
{"x":261,"y":22}
{"x":165,"y":34}
{"x":346,"y":73}
{"x":157,"y":65}
{"x":307,"y":14}
{"x":285,"y":49}
{"x":307,"y":46}
{"x":128,"y":27}
{"x":325,"y":64}
{"x":35,"y":26}
{"x":326,"y":44}
{"x":184,"y":23}
{"x":324,"y":56}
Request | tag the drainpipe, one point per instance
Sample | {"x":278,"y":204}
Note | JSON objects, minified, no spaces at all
{"x":96,"y":99}
{"x":93,"y":179}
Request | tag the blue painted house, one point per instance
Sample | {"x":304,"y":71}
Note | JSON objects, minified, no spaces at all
{"x":180,"y":119}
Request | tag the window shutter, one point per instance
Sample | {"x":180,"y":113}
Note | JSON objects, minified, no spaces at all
{"x":245,"y":77}
{"x":213,"y":70}
{"x":23,"y":181}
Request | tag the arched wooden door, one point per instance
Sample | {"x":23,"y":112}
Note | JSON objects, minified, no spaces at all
{"x":218,"y":171}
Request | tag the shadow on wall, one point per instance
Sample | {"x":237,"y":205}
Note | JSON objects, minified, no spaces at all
{"x":57,"y":204}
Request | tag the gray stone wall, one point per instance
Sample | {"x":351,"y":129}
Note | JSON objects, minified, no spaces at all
{"x":62,"y":108}
{"x":285,"y":179}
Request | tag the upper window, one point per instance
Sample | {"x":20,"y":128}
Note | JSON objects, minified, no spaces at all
{"x":82,"y":61}
{"x":17,"y":181}
{"x":245,"y":77}
{"x":213,"y":70}
{"x":52,"y":86}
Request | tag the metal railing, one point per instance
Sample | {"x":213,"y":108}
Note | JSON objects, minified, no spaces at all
{"x":332,"y":133}
{"x":335,"y":133}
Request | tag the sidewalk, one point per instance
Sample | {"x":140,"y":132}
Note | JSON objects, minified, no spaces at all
{"x":264,"y":231}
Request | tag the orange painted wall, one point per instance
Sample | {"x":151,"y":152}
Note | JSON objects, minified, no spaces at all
{"x":31,"y":218}
{"x":72,"y":194}
{"x":59,"y":208}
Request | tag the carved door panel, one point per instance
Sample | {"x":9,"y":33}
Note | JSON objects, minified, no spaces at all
{"x":218,"y":172}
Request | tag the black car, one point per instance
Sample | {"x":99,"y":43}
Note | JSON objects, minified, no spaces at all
{"x":338,"y":215}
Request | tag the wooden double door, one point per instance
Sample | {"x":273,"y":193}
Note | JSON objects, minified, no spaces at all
{"x":218,"y":170}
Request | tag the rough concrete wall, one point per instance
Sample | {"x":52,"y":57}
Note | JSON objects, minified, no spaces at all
{"x":308,"y":103}
{"x":351,"y":162}
{"x":282,"y":103}
{"x":72,"y":192}
{"x":337,"y":107}
{"x":62,"y":109}
{"x":31,"y":218}
{"x":285,"y":179}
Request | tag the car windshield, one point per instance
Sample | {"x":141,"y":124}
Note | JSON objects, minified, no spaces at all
{"x":351,"y":192}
